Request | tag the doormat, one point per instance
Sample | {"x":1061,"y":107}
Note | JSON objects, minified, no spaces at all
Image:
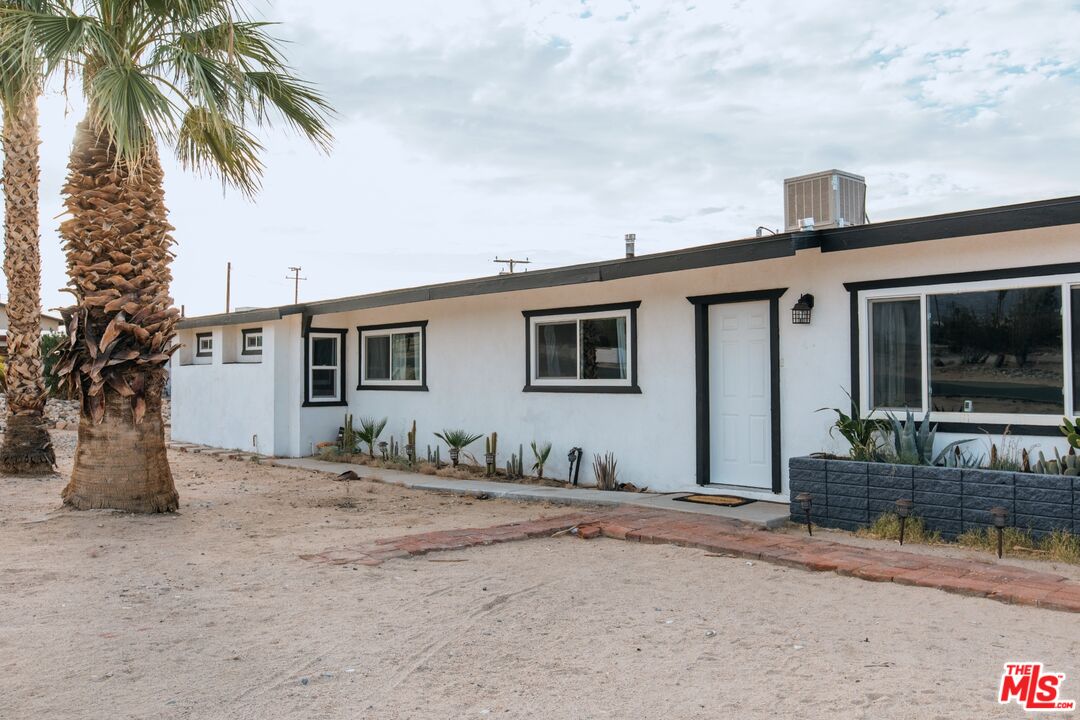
{"x":721,"y":500}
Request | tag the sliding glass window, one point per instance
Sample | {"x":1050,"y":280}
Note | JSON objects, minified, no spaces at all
{"x":999,"y":352}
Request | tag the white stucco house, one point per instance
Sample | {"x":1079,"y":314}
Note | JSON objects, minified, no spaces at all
{"x":698,"y":367}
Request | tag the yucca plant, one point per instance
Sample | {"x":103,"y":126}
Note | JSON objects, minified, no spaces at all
{"x":456,"y":441}
{"x":195,"y":75}
{"x":369,"y":432}
{"x":863,"y":435}
{"x":605,"y":472}
{"x":541,"y":454}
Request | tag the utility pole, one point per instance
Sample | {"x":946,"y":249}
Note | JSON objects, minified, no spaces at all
{"x":228,"y":285}
{"x":511,"y":262}
{"x":295,"y":277}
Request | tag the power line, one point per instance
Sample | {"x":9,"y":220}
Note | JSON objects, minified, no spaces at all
{"x":511,"y":262}
{"x":295,"y":277}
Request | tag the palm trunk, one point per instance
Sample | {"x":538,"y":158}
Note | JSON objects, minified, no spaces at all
{"x":120,"y":331}
{"x":27,"y":448}
{"x":120,"y":463}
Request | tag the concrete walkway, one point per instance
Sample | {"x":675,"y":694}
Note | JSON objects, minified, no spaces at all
{"x":762,"y":514}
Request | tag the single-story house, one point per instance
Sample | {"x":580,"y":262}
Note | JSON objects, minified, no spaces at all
{"x":707,"y":366}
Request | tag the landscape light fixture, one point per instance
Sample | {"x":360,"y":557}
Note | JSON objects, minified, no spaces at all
{"x":1000,"y":515}
{"x":806,"y":500}
{"x":903,"y":509}
{"x":800,"y":313}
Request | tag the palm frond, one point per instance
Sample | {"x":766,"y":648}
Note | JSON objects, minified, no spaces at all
{"x":131,"y":108}
{"x":210,"y":142}
{"x":298,"y":102}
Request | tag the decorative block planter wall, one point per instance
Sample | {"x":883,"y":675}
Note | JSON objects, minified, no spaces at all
{"x":850,"y":495}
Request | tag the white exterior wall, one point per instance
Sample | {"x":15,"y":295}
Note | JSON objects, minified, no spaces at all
{"x":476,"y":361}
{"x":230,"y":403}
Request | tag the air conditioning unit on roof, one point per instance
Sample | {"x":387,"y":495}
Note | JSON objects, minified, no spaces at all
{"x":828,"y":199}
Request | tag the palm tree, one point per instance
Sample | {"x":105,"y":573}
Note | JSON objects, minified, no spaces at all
{"x":370,"y":430}
{"x":457,"y":440}
{"x":541,"y":454}
{"x":192,"y":74}
{"x":27,"y":448}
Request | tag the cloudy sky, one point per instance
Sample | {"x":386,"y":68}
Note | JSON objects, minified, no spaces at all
{"x":547,"y":129}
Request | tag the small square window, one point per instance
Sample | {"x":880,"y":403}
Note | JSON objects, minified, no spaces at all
{"x":253,"y":341}
{"x":204,"y":345}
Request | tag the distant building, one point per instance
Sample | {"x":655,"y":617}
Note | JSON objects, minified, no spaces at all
{"x":49,"y":324}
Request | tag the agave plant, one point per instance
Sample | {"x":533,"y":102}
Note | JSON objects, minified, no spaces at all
{"x":369,"y":432}
{"x":863,"y":435}
{"x":457,"y":440}
{"x":914,"y":442}
{"x":541,"y":453}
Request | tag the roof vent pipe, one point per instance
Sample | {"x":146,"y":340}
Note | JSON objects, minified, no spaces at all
{"x":631,"y":238}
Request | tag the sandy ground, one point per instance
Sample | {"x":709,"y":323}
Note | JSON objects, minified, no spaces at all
{"x":211,"y":614}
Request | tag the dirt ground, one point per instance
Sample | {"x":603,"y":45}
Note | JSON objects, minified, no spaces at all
{"x":211,"y":614}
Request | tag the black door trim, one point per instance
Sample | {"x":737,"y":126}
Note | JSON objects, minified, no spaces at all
{"x":701,"y":351}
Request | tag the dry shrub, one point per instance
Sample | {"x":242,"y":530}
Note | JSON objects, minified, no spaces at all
{"x":887,"y":527}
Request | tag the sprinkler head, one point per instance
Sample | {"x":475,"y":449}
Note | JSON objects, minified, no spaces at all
{"x":903,"y":507}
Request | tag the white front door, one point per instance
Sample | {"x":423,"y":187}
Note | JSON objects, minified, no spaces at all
{"x":740,"y":395}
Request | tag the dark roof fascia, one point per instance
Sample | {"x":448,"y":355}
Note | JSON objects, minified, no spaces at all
{"x":1023,"y":216}
{"x":234,"y":318}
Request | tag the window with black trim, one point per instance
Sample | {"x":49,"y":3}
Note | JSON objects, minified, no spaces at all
{"x":997,"y":351}
{"x":251,"y":341}
{"x":393,"y":356}
{"x":204,"y":345}
{"x":325,"y":365}
{"x":582,"y":349}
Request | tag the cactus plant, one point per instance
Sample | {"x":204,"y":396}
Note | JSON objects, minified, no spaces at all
{"x":914,"y":442}
{"x":513,"y":465}
{"x":410,"y":444}
{"x":491,"y":448}
{"x":1068,"y":465}
{"x":348,"y":435}
{"x":1071,"y":430}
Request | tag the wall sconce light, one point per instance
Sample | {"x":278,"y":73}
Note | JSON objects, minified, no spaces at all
{"x":800,"y":313}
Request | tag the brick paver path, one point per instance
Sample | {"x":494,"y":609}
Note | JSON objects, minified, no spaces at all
{"x":1006,"y":583}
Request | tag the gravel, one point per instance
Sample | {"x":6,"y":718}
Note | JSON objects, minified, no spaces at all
{"x":64,"y":414}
